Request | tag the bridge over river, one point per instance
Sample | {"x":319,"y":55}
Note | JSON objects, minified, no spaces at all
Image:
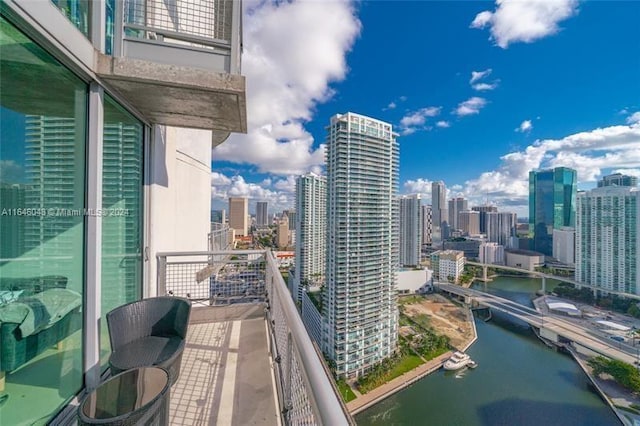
{"x":553,"y":327}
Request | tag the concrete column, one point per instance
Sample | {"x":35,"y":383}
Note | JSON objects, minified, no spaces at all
{"x":544,"y":284}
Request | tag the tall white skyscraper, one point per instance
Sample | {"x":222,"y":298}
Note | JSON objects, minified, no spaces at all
{"x":362,"y":243}
{"x":410,"y":230}
{"x":608,"y":237}
{"x":311,"y":232}
{"x":239,"y":215}
{"x":501,"y":226}
{"x":262,"y":213}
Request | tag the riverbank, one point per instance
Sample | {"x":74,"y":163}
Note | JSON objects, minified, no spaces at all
{"x":444,"y":317}
{"x":362,"y":402}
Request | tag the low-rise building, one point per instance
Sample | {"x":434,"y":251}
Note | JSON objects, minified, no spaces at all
{"x":447,"y":265}
{"x":524,"y":259}
{"x":415,"y":281}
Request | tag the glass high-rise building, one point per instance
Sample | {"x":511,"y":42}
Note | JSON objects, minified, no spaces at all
{"x":262,"y":213}
{"x":362,"y":243}
{"x":410,"y":230}
{"x":456,"y":205}
{"x":440,"y":214}
{"x":607,"y":238}
{"x":618,"y":179}
{"x":311,"y":232}
{"x":552,"y":204}
{"x":483,"y":210}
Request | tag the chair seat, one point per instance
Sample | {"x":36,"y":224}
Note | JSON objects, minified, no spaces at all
{"x":146,"y":351}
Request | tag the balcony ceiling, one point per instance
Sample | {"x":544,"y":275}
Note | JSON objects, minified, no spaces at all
{"x":178,"y":96}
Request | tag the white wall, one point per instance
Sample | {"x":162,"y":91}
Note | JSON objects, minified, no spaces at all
{"x":413,"y":280}
{"x":179,"y":194}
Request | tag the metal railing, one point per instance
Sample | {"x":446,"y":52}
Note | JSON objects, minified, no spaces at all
{"x":306,"y":394}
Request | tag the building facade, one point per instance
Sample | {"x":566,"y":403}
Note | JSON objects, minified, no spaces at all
{"x":362,"y":243}
{"x":262,"y":213}
{"x":564,"y":245}
{"x":427,"y":223}
{"x":311,"y":231}
{"x":607,"y":238}
{"x":456,"y":205}
{"x":523,"y":259}
{"x":483,"y":210}
{"x":447,"y":265}
{"x":491,"y":253}
{"x":410,"y":230}
{"x":440,"y":213}
{"x":469,"y":222}
{"x":239,"y":215}
{"x":501,"y":226}
{"x":106,"y":161}
{"x":552,"y":204}
{"x":618,"y":179}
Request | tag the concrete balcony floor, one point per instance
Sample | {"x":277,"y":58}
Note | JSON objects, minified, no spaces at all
{"x":226,"y":377}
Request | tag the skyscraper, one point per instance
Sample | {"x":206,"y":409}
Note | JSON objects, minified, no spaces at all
{"x":552,"y":204}
{"x":427,"y":223}
{"x":469,"y":222}
{"x":608,"y":237}
{"x":440,"y":213}
{"x":618,"y":179}
{"x":262,"y":213}
{"x":238,"y":215}
{"x":456,"y":205}
{"x":501,"y":226}
{"x":362,"y":243}
{"x":410,"y":230}
{"x":483,"y":210}
{"x":311,"y":231}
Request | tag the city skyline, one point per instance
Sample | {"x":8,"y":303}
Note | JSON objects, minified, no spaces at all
{"x":479,"y":120}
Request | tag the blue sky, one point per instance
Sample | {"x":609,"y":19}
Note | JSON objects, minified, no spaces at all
{"x":479,"y":92}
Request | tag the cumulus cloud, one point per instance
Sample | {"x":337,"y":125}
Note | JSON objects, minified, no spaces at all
{"x":485,"y":86}
{"x":590,"y":153}
{"x":284,"y":85}
{"x":470,"y":106}
{"x":524,"y":20}
{"x":443,"y":124}
{"x":629,"y":172}
{"x":524,"y":127}
{"x":11,"y":172}
{"x":280,"y":195}
{"x":416,"y":120}
{"x":418,"y":186}
{"x":392,"y":105}
{"x":634,"y":118}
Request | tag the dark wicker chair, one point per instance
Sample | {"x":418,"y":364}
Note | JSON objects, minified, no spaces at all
{"x":149,"y":332}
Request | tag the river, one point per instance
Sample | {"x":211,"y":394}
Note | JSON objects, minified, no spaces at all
{"x":518,"y":381}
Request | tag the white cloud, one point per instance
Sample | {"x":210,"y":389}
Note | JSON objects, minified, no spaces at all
{"x":589,"y":152}
{"x":281,"y":196}
{"x":284,"y":84}
{"x":11,"y":172}
{"x":477,"y":75}
{"x":524,"y":20}
{"x":524,"y":127}
{"x":443,"y":124}
{"x":634,"y":118}
{"x":418,"y":186}
{"x":485,"y":86}
{"x":416,"y":120}
{"x":470,"y":106}
{"x":391,"y":105}
{"x":629,"y":172}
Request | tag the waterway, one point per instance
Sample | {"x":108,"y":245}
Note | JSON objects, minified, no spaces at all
{"x":519,"y":381}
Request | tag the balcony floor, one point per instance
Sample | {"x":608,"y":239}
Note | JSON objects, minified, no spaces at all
{"x":226,"y":372}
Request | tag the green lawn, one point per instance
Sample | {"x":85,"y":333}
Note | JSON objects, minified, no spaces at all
{"x":388,"y":370}
{"x":345,"y":391}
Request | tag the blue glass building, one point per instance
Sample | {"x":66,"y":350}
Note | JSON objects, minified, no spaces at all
{"x":552,"y":204}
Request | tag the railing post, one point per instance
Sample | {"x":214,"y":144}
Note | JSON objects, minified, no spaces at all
{"x":236,"y":37}
{"x":162,"y":275}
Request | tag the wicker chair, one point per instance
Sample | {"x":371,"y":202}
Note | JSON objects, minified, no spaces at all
{"x":149,"y":332}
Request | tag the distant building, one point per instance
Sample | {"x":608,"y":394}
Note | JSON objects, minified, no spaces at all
{"x":440,"y":213}
{"x":219,"y":216}
{"x":282,"y":233}
{"x":469,"y":247}
{"x":618,"y":179}
{"x":410,"y":230}
{"x":608,"y":238}
{"x":564,"y":245}
{"x":456,"y":205}
{"x":415,"y":281}
{"x":483,"y":210}
{"x":238,"y":215}
{"x":523,"y":259}
{"x":447,"y":265}
{"x":262,"y":213}
{"x":311,"y":230}
{"x":552,"y":205}
{"x":291,"y":215}
{"x":491,"y":253}
{"x":427,"y":223}
{"x":501,"y":226}
{"x":469,"y":222}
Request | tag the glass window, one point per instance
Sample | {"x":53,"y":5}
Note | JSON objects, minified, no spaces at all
{"x":122,"y":213}
{"x":43,"y":114}
{"x":77,"y":11}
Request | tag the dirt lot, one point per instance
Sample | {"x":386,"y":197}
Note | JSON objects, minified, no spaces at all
{"x":444,"y":317}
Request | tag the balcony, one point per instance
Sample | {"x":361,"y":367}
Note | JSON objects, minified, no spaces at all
{"x":249,"y":359}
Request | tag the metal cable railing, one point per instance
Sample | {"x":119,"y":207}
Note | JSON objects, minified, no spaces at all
{"x":305,"y":392}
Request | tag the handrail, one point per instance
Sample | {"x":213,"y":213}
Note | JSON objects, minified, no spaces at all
{"x":213,"y":42}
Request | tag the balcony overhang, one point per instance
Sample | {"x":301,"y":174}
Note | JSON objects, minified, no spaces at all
{"x":178,"y":96}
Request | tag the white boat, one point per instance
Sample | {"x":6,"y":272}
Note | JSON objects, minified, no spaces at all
{"x":459,"y":360}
